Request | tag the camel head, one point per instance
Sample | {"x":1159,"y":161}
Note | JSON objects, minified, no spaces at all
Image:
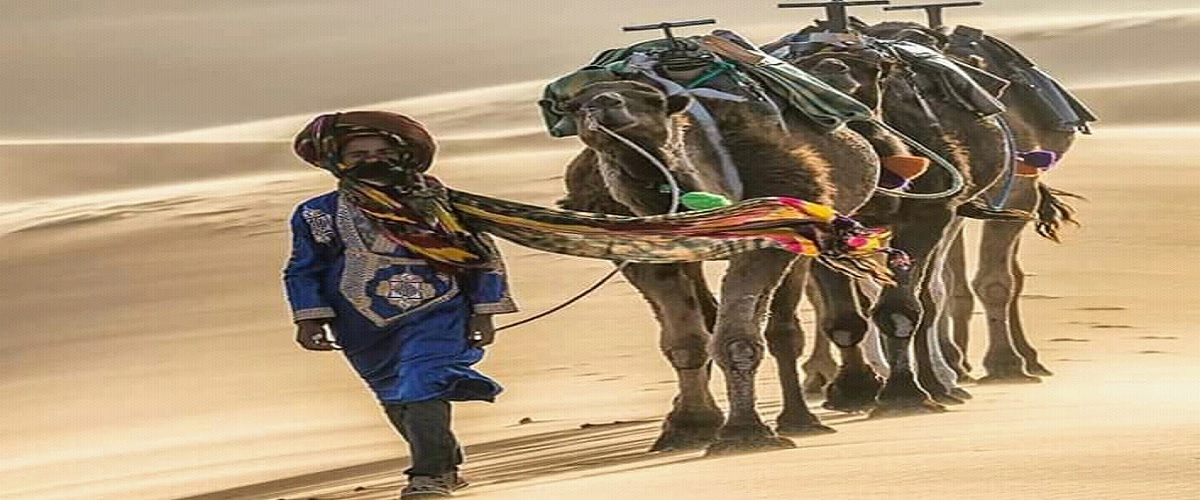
{"x":637,"y":111}
{"x":858,"y":73}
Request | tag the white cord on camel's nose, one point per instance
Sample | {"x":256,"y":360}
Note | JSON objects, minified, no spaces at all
{"x":594,"y":124}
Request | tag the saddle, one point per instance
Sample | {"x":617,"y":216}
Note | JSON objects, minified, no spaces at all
{"x":1059,"y":109}
{"x":722,"y":65}
{"x":969,"y":88}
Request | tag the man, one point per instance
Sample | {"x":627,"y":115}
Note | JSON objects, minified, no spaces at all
{"x":407,"y":291}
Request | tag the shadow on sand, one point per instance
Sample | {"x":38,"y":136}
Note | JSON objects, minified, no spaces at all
{"x":619,"y":444}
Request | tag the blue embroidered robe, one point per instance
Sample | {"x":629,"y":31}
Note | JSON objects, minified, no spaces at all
{"x":402,"y":324}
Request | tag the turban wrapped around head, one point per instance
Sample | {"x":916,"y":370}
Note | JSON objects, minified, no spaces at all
{"x":320,"y":142}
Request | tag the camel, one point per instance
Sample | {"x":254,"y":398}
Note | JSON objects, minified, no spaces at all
{"x":1000,"y":279}
{"x":977,"y":146}
{"x":1009,"y":358}
{"x":611,"y":177}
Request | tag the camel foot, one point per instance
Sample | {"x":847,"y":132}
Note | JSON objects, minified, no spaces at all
{"x":819,"y":371}
{"x":805,"y":424}
{"x":946,"y":398}
{"x":853,"y":391}
{"x":936,"y":390}
{"x":1038,"y":369}
{"x":747,"y":439}
{"x":942,"y":394}
{"x":899,"y":409}
{"x":1017,"y":377}
{"x":961,"y":393}
{"x":964,"y":378}
{"x":815,"y":383}
{"x":902,"y":396}
{"x":689,"y":430}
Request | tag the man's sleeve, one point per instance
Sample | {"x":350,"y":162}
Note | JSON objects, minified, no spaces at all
{"x":488,"y":289}
{"x":305,"y":272}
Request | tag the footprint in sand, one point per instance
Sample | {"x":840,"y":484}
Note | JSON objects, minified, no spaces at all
{"x":1153,"y":352}
{"x":1035,"y":296}
{"x":1102,"y":308}
{"x":1158,"y":337}
{"x":1068,"y":339}
{"x":1104,"y":326}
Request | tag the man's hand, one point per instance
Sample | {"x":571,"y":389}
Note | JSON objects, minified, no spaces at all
{"x":481,"y":331}
{"x":311,"y":335}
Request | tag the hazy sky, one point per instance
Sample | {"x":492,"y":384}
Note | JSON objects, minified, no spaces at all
{"x":95,"y":68}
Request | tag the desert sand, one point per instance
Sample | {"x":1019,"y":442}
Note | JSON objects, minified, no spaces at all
{"x":147,"y":351}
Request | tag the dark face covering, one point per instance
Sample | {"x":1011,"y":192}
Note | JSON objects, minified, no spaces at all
{"x":402,"y":173}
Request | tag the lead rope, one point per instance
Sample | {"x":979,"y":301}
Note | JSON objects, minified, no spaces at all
{"x":1010,"y":144}
{"x":592,"y":124}
{"x":956,"y":179}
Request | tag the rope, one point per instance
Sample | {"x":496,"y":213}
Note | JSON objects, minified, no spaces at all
{"x":956,"y":185}
{"x":675,"y":197}
{"x":569,"y":301}
{"x":1011,"y":147}
{"x":721,"y":67}
{"x":956,"y":178}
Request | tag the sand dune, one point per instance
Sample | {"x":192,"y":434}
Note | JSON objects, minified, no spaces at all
{"x":132,"y":68}
{"x":147,"y":351}
{"x":155,"y":384}
{"x":1169,"y":102}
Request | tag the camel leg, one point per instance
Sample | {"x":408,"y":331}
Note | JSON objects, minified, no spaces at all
{"x":856,"y":385}
{"x":898,"y":312}
{"x":933,"y":370}
{"x":785,"y":341}
{"x":737,"y":346}
{"x":995,"y":285}
{"x":1020,"y":341}
{"x":821,"y":368}
{"x":962,"y":304}
{"x":872,"y":345}
{"x":670,"y":289}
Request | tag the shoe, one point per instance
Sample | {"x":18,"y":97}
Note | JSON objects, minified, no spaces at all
{"x":455,"y":481}
{"x":426,"y":487}
{"x":433,"y":486}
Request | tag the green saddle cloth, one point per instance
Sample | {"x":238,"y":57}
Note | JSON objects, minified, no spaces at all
{"x":791,"y":87}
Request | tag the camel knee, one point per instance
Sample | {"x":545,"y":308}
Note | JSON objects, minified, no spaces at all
{"x":897,"y":318}
{"x":739,"y":354}
{"x":687,"y":358}
{"x":962,"y":298}
{"x":688,"y":353}
{"x":847,"y":330}
{"x":994,"y":291}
